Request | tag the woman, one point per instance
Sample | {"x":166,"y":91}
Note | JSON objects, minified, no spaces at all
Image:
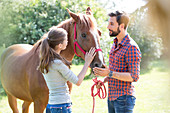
{"x":56,"y":72}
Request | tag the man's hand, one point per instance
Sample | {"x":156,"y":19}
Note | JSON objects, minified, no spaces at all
{"x":98,"y":85}
{"x":104,"y":81}
{"x":101,"y":71}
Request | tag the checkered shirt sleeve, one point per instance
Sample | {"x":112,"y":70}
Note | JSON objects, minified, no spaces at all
{"x":133,"y":57}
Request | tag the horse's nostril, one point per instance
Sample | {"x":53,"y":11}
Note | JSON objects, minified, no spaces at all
{"x":103,"y":66}
{"x":96,"y":65}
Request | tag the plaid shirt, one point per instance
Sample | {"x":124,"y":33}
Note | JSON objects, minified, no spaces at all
{"x":124,"y":58}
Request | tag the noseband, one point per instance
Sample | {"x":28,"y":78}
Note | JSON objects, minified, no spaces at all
{"x":76,"y":43}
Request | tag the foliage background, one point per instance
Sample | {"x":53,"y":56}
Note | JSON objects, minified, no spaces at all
{"x":25,"y":21}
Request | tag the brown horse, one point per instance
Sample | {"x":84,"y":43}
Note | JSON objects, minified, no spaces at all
{"x":19,"y":75}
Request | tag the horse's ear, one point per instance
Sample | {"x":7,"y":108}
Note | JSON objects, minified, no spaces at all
{"x":73,"y":15}
{"x":99,"y":32}
{"x":88,"y":11}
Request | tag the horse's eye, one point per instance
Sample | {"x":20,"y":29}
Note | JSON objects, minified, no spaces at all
{"x":83,"y":35}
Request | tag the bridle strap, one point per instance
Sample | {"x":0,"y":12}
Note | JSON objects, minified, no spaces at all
{"x":76,"y":44}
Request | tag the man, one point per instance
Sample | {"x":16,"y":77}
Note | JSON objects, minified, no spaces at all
{"x":124,"y":66}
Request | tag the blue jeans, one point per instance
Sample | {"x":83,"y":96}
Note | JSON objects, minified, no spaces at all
{"x":123,"y":104}
{"x":59,"y":108}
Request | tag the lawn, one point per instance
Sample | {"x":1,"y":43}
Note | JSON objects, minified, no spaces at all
{"x":152,"y":92}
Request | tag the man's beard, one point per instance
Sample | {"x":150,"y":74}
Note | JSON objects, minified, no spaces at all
{"x":114,"y":33}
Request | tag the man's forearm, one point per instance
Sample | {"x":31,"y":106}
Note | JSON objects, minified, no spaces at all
{"x":124,"y":76}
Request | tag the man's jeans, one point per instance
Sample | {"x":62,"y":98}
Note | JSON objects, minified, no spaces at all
{"x":59,"y":108}
{"x":123,"y":104}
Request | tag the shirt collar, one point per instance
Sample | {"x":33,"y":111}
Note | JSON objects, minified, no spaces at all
{"x":123,"y":42}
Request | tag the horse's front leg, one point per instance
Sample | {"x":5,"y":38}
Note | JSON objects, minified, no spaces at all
{"x":70,"y":85}
{"x":12,"y":103}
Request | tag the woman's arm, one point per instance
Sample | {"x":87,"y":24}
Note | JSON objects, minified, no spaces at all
{"x":88,"y":59}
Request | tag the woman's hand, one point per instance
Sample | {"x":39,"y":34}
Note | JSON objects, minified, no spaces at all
{"x":90,"y":55}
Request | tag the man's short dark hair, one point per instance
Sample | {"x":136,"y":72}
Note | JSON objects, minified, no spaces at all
{"x":121,"y":17}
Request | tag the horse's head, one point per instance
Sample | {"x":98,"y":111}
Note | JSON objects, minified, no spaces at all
{"x":85,"y":35}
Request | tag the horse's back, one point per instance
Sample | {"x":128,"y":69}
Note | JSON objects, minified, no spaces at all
{"x":14,"y":49}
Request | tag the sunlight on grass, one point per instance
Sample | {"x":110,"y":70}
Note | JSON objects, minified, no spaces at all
{"x":4,"y":106}
{"x":152,"y":92}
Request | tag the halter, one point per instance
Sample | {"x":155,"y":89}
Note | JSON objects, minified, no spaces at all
{"x":76,"y":44}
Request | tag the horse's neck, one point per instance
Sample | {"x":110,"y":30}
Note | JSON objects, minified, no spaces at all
{"x":35,"y":49}
{"x":68,"y":53}
{"x":65,"y":25}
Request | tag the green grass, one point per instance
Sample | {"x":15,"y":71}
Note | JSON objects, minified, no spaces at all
{"x":152,"y":92}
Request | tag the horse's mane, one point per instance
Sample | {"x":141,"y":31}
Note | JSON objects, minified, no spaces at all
{"x":87,"y":21}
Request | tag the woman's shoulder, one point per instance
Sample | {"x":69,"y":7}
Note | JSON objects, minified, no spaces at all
{"x":57,"y":61}
{"x":58,"y":64}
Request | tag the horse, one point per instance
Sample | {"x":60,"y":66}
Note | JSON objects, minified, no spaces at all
{"x":19,"y":75}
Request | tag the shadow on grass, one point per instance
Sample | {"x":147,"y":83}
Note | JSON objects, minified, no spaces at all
{"x":90,"y":76}
{"x":160,"y":65}
{"x":2,"y":92}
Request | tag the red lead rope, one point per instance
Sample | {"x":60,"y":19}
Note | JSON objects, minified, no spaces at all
{"x":98,"y":91}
